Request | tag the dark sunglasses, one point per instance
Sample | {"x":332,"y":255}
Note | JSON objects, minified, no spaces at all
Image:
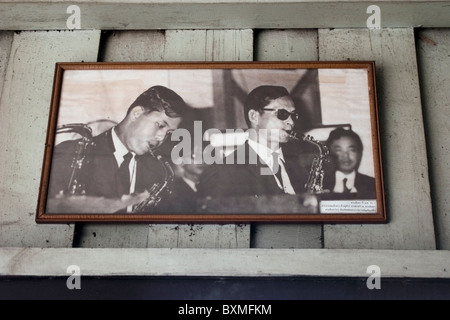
{"x":283,"y":114}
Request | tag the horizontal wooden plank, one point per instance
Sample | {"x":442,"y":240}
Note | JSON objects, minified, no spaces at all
{"x":225,"y":262}
{"x":220,"y":14}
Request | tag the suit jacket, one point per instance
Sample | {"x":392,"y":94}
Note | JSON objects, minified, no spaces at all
{"x":230,"y":180}
{"x":363,"y":183}
{"x":99,"y":173}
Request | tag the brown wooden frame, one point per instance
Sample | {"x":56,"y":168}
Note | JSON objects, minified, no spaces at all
{"x":379,"y":216}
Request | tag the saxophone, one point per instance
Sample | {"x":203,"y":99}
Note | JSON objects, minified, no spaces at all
{"x":158,"y":189}
{"x":75,"y":185}
{"x":316,"y":173}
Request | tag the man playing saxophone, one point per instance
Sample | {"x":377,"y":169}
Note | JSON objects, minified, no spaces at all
{"x":260,"y":166}
{"x":119,"y":161}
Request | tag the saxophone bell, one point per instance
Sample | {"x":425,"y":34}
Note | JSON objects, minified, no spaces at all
{"x":316,"y":175}
{"x":158,"y":190}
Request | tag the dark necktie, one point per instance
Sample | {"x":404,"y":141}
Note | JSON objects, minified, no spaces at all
{"x":124,"y":175}
{"x":346,"y":189}
{"x":276,"y":166}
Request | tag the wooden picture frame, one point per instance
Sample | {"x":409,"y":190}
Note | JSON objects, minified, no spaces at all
{"x":89,"y":99}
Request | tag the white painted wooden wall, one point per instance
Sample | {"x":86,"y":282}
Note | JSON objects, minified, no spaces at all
{"x":27,"y":79}
{"x":433,"y":49}
{"x":413,"y":104}
{"x":402,"y":139}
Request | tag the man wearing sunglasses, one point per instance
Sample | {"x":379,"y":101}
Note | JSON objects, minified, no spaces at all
{"x":259,"y":166}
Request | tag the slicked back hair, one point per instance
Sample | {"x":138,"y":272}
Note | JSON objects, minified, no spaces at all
{"x":261,"y":96}
{"x":160,"y":98}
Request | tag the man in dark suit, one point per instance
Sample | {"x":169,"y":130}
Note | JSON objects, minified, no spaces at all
{"x":120,"y":161}
{"x":343,"y":179}
{"x":259,"y":166}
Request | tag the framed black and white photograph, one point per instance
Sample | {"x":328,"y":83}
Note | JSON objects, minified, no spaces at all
{"x":213,"y":142}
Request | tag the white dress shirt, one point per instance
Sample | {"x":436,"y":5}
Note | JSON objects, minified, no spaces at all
{"x":190,"y":183}
{"x":266,"y":156}
{"x":120,"y":152}
{"x":339,"y":185}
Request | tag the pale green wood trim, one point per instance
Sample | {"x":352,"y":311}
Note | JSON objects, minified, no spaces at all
{"x":225,"y":262}
{"x":218,"y":14}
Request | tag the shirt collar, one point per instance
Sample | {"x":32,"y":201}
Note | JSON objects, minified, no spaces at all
{"x":350,"y":183}
{"x":120,"y":149}
{"x":264,"y":152}
{"x":350,"y":177}
{"x":190,"y":183}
